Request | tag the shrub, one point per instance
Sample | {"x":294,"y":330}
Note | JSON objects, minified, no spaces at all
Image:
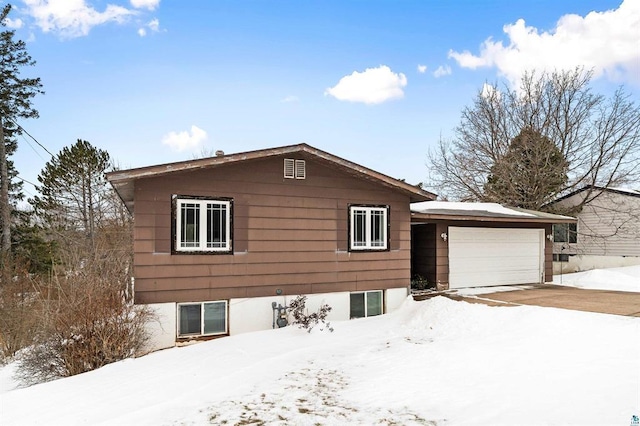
{"x":301,"y":317}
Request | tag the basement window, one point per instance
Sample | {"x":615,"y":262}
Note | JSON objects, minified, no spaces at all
{"x":202,"y":319}
{"x":368,"y":227}
{"x":202,"y":225}
{"x":365,"y":304}
{"x":294,"y":169}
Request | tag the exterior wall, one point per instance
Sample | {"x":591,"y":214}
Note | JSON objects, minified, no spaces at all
{"x":394,"y":298}
{"x":162,"y":333}
{"x":256,"y":314}
{"x":608,"y":226}
{"x":290,"y":236}
{"x":442,"y":245}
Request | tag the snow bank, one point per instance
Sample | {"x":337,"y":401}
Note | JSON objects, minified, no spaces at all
{"x":439,"y":360}
{"x":620,"y":279}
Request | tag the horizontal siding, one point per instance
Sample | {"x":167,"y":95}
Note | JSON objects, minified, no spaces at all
{"x":287,"y":235}
{"x":608,"y":226}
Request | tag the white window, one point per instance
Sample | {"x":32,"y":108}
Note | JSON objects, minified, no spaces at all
{"x":368,"y":227}
{"x":365,"y":304}
{"x":203,"y":225}
{"x":202,"y":319}
{"x":294,"y":169}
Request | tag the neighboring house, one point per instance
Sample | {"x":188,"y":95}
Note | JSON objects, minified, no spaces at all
{"x":219,"y":241}
{"x":457,"y":245}
{"x":607,"y":233}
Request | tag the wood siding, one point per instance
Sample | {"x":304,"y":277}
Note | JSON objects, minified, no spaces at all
{"x":288,"y":234}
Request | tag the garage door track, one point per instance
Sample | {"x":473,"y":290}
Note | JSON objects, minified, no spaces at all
{"x":554,"y":296}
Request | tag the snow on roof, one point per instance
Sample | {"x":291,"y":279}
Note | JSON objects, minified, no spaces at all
{"x":628,"y":190}
{"x":495,"y":208}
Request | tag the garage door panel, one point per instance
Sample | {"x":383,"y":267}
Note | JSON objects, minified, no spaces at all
{"x":494,"y":256}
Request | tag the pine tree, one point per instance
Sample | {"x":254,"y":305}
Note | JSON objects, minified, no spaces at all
{"x":530,"y":174}
{"x":16,"y":95}
{"x":73,"y":191}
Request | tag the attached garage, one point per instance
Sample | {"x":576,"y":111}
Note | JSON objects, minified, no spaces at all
{"x":495,"y":256}
{"x":459,"y":245}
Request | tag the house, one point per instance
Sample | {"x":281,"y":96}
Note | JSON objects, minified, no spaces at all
{"x":457,"y":245}
{"x":607,"y":233}
{"x":220,"y":243}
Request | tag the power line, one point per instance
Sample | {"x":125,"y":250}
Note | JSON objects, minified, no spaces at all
{"x":29,"y":134}
{"x":24,"y":180}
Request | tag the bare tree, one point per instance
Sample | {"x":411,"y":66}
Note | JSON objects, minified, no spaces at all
{"x":597,"y":136}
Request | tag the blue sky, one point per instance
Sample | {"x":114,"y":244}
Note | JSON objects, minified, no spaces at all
{"x":156,"y":81}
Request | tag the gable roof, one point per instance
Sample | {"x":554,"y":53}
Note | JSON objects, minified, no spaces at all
{"x":482,"y":212}
{"x":621,"y":191}
{"x":122,"y":180}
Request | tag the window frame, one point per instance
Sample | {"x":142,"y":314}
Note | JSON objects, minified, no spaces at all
{"x":364,"y":294}
{"x":570,"y":235}
{"x":176,"y":213}
{"x":368,"y":209}
{"x":202,"y":318}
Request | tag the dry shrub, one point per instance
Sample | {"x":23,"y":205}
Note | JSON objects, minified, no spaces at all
{"x":89,"y":324}
{"x":19,"y":313}
{"x":88,"y":320}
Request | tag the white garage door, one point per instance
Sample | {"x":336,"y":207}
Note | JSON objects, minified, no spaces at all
{"x":495,"y":256}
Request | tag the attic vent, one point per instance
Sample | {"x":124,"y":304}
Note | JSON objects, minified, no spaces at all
{"x":294,"y":169}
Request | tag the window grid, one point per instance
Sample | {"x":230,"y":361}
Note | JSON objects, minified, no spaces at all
{"x":368,"y":226}
{"x":203,"y":225}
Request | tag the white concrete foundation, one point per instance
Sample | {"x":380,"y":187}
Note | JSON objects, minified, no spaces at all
{"x":255,"y":314}
{"x":162,"y":331}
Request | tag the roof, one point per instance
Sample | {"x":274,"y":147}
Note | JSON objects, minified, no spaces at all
{"x":483,"y":212}
{"x":122,"y":180}
{"x":622,"y":191}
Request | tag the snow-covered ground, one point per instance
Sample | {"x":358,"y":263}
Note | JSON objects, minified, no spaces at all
{"x":433,"y":362}
{"x":621,"y":279}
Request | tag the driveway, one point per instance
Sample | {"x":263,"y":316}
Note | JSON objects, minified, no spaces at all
{"x":554,"y":296}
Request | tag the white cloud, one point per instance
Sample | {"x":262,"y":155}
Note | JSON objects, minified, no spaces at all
{"x":442,"y":71}
{"x":490,"y":92}
{"x":422,"y":69}
{"x":180,"y":141}
{"x":290,"y":98}
{"x":13,"y":23}
{"x":73,"y":18}
{"x":606,"y":41}
{"x":372,"y":86}
{"x":145,"y":4}
{"x":153,"y":25}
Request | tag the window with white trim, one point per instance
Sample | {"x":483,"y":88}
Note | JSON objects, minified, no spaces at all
{"x":202,"y":319}
{"x":365,"y":304}
{"x":294,"y":169}
{"x":368,"y":228}
{"x":202,"y":225}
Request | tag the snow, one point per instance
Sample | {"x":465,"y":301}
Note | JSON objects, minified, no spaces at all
{"x":439,"y":361}
{"x":620,"y":279}
{"x":428,"y":206}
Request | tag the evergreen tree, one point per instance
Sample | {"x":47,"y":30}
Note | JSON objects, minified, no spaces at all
{"x":73,"y":191}
{"x":16,"y":95}
{"x":530,"y":174}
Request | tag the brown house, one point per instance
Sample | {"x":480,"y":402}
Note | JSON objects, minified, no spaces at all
{"x":219,"y":241}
